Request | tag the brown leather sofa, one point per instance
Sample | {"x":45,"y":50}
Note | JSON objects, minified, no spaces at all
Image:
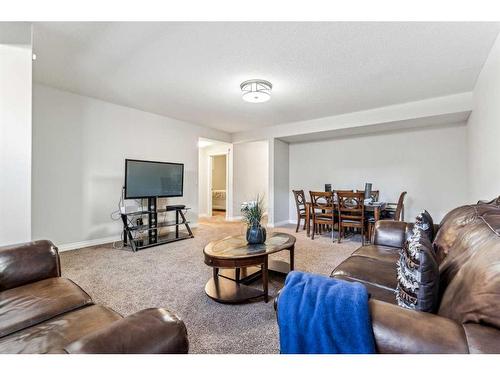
{"x":467,"y":246}
{"x":42,"y":312}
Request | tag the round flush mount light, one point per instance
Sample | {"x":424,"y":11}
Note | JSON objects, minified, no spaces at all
{"x":256,"y":90}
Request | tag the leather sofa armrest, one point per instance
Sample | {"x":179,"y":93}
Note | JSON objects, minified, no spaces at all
{"x":389,"y":233}
{"x":400,"y":330}
{"x":26,"y":263}
{"x":149,"y":331}
{"x":482,"y":339}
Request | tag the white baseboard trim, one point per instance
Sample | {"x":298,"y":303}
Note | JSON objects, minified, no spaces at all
{"x":97,"y":241}
{"x":82,"y":244}
{"x":235,"y":218}
{"x":279,"y":223}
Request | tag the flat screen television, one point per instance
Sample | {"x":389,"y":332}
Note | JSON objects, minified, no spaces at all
{"x":144,"y":179}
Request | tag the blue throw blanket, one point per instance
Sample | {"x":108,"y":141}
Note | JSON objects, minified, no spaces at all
{"x":321,"y":315}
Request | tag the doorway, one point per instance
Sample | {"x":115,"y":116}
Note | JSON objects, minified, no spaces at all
{"x":218,"y":191}
{"x":215,"y":165}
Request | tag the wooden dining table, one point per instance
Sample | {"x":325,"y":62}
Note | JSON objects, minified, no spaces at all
{"x":377,"y":209}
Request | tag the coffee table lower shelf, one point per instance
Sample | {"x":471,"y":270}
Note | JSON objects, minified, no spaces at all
{"x":225,"y":290}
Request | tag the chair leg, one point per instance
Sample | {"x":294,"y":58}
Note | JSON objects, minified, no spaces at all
{"x":314,"y":229}
{"x":298,"y":224}
{"x":304,"y":224}
{"x":363,"y":235}
{"x":340,"y":231}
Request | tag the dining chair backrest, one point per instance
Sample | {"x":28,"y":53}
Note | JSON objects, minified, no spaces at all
{"x":322,"y":200}
{"x":399,"y":214}
{"x":351,"y":205}
{"x":336,"y":194}
{"x":300,"y":200}
{"x":344,"y":191}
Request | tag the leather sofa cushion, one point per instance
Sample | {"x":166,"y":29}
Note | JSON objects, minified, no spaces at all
{"x":470,"y":276}
{"x":376,"y":292}
{"x":34,"y":303}
{"x":382,"y":253}
{"x":373,"y":271}
{"x":453,"y":224}
{"x":473,"y":295}
{"x":53,"y":335}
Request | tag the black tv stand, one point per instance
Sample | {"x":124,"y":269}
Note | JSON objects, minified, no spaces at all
{"x":134,"y":228}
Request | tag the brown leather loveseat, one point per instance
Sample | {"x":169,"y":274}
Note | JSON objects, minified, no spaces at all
{"x":467,"y":247}
{"x":42,"y":312}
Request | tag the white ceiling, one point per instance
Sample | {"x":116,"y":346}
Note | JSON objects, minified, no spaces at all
{"x":192,"y":71}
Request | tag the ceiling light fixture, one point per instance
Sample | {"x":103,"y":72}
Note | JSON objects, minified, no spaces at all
{"x":256,"y":90}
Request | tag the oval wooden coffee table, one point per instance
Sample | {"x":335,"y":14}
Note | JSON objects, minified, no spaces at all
{"x":236,"y":264}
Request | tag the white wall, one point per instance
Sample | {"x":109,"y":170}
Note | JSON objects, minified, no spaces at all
{"x":250,"y":171}
{"x":483,"y":130}
{"x":79,"y":147}
{"x":203,"y":171}
{"x":279,"y":185}
{"x":430,"y":164}
{"x":15,"y":142}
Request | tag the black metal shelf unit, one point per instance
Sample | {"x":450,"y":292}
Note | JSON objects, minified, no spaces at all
{"x":133,"y":227}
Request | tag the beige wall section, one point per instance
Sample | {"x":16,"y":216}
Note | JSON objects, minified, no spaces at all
{"x":79,"y":147}
{"x":219,"y":172}
{"x":250,"y":171}
{"x":483,"y":130}
{"x":15,"y":136}
{"x":430,"y":164}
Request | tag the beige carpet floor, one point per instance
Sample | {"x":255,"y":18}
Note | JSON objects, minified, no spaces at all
{"x":173,"y":276}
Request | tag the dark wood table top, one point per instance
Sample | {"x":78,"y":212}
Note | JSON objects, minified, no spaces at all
{"x":236,"y":247}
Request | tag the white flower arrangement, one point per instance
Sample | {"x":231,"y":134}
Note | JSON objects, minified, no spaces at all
{"x":253,"y":211}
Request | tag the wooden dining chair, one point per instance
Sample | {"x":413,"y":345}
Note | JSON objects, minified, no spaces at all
{"x":351,"y":212}
{"x":300,"y":203}
{"x":322,"y":210}
{"x":396,"y":211}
